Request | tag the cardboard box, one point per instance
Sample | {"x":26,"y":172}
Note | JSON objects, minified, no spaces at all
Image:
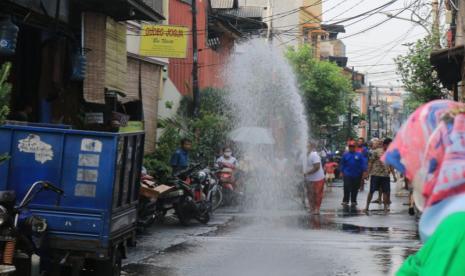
{"x":152,"y":191}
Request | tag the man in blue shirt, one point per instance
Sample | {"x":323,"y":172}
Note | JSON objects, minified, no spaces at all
{"x":353,"y":169}
{"x":180,"y":158}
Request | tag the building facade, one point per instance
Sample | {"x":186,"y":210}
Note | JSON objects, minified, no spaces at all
{"x":220,"y":24}
{"x":71,"y":63}
{"x":449,"y":62}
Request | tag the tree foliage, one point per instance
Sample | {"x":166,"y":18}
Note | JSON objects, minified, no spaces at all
{"x":5,"y":90}
{"x":325,"y":89}
{"x":418,"y":74}
{"x":208,"y":131}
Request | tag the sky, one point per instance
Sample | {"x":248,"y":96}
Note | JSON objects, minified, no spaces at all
{"x":372,"y":52}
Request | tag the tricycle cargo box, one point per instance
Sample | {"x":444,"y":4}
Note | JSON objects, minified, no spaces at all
{"x":98,"y":172}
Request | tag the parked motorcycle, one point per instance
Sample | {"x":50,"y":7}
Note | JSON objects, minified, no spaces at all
{"x":228,"y":182}
{"x":212,"y":188}
{"x":147,"y":209}
{"x":193,"y":204}
{"x":19,"y":230}
{"x":189,"y":193}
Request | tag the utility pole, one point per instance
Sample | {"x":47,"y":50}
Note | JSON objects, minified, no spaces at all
{"x":269,"y":34}
{"x":435,"y":27}
{"x":369,"y":110}
{"x":349,"y":115}
{"x":195,"y":64}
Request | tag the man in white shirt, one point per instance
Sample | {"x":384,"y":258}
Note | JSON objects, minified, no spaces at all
{"x":314,"y":179}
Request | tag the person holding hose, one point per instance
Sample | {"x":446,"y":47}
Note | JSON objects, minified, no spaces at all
{"x":314,"y":179}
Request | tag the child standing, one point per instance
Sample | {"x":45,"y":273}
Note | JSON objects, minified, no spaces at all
{"x":330,"y":168}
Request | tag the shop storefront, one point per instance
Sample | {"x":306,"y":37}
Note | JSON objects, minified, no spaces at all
{"x":69,"y":61}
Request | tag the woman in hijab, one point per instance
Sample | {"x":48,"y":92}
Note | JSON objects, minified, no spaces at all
{"x":430,"y":151}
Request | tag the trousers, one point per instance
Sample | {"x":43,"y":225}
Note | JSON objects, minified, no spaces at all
{"x":351,"y":187}
{"x":315,"y":194}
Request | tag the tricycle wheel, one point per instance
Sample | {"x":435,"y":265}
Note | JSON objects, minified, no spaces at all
{"x":111,"y":267}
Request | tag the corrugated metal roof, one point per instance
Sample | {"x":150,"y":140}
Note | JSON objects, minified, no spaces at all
{"x":249,"y":12}
{"x":223,"y":4}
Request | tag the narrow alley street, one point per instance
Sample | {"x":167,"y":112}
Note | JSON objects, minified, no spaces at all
{"x":198,"y":137}
{"x":338,"y":242}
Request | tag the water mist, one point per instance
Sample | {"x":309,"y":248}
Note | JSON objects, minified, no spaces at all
{"x":264,"y":93}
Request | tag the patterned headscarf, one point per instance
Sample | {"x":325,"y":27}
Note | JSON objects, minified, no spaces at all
{"x":430,"y":150}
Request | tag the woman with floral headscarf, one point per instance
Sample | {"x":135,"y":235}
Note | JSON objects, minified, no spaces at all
{"x":430,"y":151}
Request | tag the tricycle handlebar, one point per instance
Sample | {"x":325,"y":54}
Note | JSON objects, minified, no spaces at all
{"x":49,"y":186}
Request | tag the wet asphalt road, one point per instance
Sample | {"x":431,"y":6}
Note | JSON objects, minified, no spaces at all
{"x":338,"y":242}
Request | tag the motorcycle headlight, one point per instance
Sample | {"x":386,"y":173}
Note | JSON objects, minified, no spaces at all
{"x":3,"y":215}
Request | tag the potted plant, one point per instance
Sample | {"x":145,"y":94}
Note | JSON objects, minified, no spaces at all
{"x":5,"y":90}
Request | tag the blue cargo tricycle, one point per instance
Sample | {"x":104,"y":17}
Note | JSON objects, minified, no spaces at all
{"x":90,"y":226}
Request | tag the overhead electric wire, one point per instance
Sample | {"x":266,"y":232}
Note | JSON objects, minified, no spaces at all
{"x":345,"y":19}
{"x":381,"y":72}
{"x":344,"y":12}
{"x":376,"y":48}
{"x":317,"y":16}
{"x":394,"y":43}
{"x":348,"y":19}
{"x":379,"y":23}
{"x":384,"y":80}
{"x":366,"y":13}
{"x":293,"y":11}
{"x":310,"y":20}
{"x":390,"y":49}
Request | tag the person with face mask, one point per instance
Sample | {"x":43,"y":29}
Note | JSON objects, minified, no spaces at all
{"x":429,"y":150}
{"x":227,"y":158}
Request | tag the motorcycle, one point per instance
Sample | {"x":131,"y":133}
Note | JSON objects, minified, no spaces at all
{"x":193,"y":204}
{"x":212,"y":189}
{"x":228,"y":183}
{"x":188,"y":193}
{"x":19,"y":230}
{"x":147,"y":209}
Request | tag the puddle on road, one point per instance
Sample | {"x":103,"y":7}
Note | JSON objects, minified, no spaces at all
{"x":326,"y":222}
{"x":330,"y":222}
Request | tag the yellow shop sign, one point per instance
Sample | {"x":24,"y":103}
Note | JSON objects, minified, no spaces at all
{"x":164,"y":41}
